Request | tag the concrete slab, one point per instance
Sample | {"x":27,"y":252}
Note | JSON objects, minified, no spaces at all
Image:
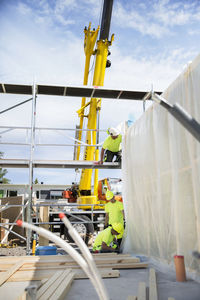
{"x":127,"y":284}
{"x":120,"y":288}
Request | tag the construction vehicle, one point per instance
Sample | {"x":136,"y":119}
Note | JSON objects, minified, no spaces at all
{"x":89,"y":194}
{"x":86,"y":218}
{"x":112,"y":184}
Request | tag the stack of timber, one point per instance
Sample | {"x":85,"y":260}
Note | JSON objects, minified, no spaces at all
{"x":55,"y":288}
{"x":25,"y":268}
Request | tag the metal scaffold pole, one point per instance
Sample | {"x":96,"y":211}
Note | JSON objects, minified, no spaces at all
{"x":32,"y":146}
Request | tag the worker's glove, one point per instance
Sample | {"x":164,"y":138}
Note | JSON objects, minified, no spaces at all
{"x":115,"y":244}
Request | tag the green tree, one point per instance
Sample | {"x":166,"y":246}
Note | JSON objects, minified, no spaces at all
{"x":36,"y":181}
{"x":3,"y":172}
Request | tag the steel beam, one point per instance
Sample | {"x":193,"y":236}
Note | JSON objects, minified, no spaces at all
{"x":63,"y":164}
{"x":71,"y":91}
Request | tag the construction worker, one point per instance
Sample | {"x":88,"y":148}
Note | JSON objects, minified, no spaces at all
{"x":74,"y":190}
{"x":114,"y":213}
{"x":105,"y":240}
{"x":111,"y":147}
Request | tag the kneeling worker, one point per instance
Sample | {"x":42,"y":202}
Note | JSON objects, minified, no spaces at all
{"x":106,"y":237}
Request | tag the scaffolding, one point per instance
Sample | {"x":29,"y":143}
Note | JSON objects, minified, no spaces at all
{"x":56,"y":208}
{"x":31,"y":163}
{"x":176,"y":111}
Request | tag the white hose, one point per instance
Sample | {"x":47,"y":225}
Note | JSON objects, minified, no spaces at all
{"x":69,"y":249}
{"x":87,"y":255}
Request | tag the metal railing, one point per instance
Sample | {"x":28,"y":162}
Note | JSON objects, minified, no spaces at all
{"x":69,"y":213}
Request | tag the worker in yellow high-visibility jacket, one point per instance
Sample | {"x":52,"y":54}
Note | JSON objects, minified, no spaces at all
{"x":104,"y":240}
{"x":111,"y":147}
{"x":114,"y":213}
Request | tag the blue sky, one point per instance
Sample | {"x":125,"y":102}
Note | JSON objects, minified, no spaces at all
{"x":42,"y":41}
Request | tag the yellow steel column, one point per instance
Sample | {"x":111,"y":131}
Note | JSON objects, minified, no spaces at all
{"x":89,"y":42}
{"x":99,"y":74}
{"x":98,"y":80}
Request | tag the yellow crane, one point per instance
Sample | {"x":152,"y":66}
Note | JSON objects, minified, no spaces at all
{"x":90,"y":215}
{"x":101,"y":53}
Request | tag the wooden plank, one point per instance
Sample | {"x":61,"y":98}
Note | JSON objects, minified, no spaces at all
{"x":4,"y":265}
{"x":3,"y":231}
{"x":44,"y":217}
{"x":125,"y":266}
{"x":76,"y":266}
{"x":105,"y":273}
{"x":41,"y":274}
{"x":48,"y":283}
{"x":46,"y":293}
{"x":56,"y":285}
{"x":4,"y":276}
{"x":67,"y":256}
{"x":12,"y":213}
{"x":132,"y":298}
{"x":62,"y":258}
{"x":142,"y":291}
{"x":24,"y":296}
{"x":153,"y":293}
{"x":64,"y":287}
{"x":112,"y":254}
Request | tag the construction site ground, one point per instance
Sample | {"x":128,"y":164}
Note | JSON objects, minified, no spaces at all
{"x":120,"y":288}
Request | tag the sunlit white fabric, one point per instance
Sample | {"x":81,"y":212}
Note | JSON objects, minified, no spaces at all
{"x":161,"y":175}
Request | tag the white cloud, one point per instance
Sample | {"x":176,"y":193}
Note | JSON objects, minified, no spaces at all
{"x":61,"y":5}
{"x":139,"y":73}
{"x":33,"y":58}
{"x":194,"y":31}
{"x":59,"y":12}
{"x":133,"y":19}
{"x":43,"y":6}
{"x":171,"y":14}
{"x":158,"y":19}
{"x":52,"y":55}
{"x":64,"y":21}
{"x":23,"y":8}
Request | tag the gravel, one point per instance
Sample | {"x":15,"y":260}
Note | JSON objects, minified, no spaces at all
{"x":16,"y":251}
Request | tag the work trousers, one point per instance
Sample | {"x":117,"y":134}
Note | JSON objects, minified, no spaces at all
{"x":109,"y":155}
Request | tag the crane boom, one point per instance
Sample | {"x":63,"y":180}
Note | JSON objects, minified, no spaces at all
{"x":101,"y":53}
{"x":106,"y":19}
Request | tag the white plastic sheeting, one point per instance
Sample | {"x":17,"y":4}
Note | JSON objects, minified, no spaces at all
{"x":161,"y":175}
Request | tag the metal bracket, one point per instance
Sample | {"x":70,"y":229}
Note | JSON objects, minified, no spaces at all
{"x":31,"y":292}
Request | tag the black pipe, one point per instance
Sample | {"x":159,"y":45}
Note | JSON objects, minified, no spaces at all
{"x":106,"y":19}
{"x":3,"y":111}
{"x":184,"y":118}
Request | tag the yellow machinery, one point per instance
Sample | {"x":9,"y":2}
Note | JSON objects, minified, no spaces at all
{"x":92,"y":136}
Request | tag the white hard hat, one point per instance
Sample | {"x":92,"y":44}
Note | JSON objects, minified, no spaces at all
{"x":113,"y":131}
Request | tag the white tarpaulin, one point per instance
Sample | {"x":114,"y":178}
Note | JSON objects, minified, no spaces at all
{"x":161,"y":175}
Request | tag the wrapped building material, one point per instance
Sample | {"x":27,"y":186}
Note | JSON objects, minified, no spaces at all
{"x":161,"y":175}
